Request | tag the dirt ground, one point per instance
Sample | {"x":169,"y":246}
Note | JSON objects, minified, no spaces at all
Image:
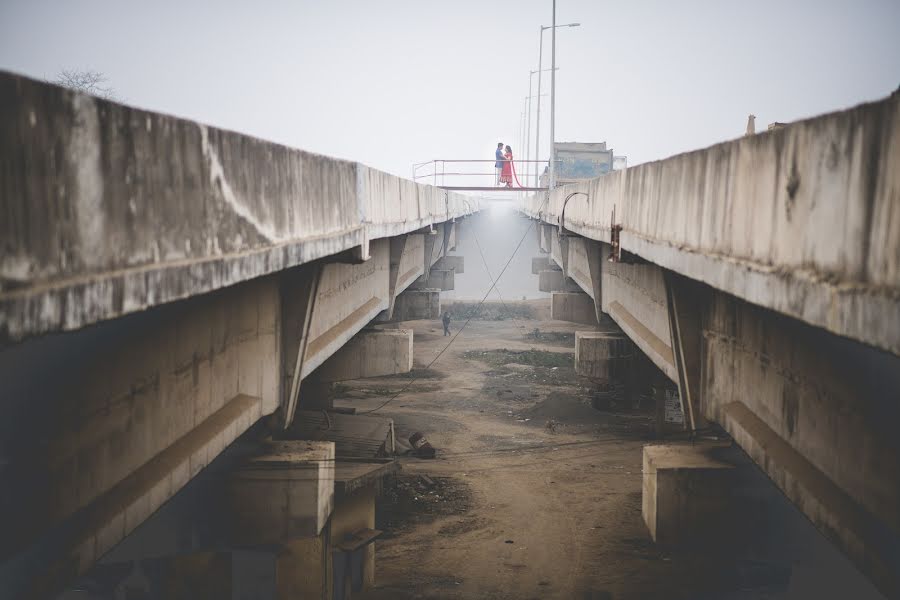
{"x":534,"y":493}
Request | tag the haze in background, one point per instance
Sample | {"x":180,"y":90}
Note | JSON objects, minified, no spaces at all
{"x":498,"y":231}
{"x":393,"y":82}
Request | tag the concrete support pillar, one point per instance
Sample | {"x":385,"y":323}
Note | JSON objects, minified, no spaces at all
{"x":553,"y":280}
{"x":603,"y":355}
{"x":283,"y":495}
{"x":303,"y":569}
{"x":371,"y":353}
{"x":418,"y":304}
{"x":686,"y":493}
{"x":355,"y":512}
{"x":576,"y":307}
{"x":455,"y":263}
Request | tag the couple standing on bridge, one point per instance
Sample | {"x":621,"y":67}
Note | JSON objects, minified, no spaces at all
{"x":504,"y":166}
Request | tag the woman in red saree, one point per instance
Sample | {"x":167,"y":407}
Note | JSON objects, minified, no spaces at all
{"x":506,"y":171}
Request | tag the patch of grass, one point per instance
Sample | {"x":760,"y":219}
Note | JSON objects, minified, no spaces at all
{"x":532,"y":357}
{"x":552,"y":337}
{"x":488,"y":311}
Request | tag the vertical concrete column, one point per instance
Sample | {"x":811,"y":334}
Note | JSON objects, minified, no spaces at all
{"x":355,"y":512}
{"x":303,"y":568}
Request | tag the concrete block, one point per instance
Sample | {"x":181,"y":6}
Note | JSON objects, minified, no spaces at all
{"x":553,"y":280}
{"x":418,"y":304}
{"x":370,"y":353}
{"x":576,"y":307}
{"x":686,"y":493}
{"x":540,"y":263}
{"x":283,"y":495}
{"x":456,"y":263}
{"x":602,"y":354}
{"x":439,"y":279}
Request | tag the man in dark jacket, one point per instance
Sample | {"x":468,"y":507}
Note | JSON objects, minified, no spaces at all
{"x":446,"y":320}
{"x":498,"y":164}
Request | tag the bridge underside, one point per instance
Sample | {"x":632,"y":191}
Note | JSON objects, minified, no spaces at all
{"x":165,"y":287}
{"x":762,"y":277}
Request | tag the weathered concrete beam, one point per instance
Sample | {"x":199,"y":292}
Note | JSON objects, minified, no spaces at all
{"x":635,"y":297}
{"x":63,"y":553}
{"x":801,"y":220}
{"x":159,"y":209}
{"x":418,"y":304}
{"x":347,"y":299}
{"x":371,"y":353}
{"x":816,"y":412}
{"x":576,"y":307}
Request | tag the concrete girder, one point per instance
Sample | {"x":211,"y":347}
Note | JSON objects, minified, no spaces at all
{"x":817,"y":413}
{"x":371,"y":353}
{"x":347,"y":299}
{"x":194,"y":220}
{"x":801,"y":220}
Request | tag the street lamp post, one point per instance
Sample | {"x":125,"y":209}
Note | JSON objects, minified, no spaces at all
{"x":537,"y":128}
{"x":528,"y":141}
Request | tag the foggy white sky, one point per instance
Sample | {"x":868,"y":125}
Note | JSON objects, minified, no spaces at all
{"x":392,"y":82}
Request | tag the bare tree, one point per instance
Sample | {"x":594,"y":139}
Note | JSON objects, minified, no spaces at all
{"x":90,"y":82}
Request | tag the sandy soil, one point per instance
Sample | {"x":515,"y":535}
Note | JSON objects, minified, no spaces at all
{"x":535,"y":494}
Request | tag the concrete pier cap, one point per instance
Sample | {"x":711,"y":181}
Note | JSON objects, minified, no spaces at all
{"x":418,"y":304}
{"x":575,"y":307}
{"x":602,"y":354}
{"x":370,"y":353}
{"x":542,"y":263}
{"x":553,"y":280}
{"x":285,"y":494}
{"x":686,"y":493}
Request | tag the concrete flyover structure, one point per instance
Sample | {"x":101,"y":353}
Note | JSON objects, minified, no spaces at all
{"x":165,"y":286}
{"x":762,"y":276}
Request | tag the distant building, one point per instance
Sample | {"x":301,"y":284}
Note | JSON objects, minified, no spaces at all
{"x":577,"y":161}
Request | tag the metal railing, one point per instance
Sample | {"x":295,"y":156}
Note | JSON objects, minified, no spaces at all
{"x":436,"y":170}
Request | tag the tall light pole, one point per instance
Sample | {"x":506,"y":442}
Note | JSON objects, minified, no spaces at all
{"x":537,"y":136}
{"x":552,"y":182}
{"x":528,"y":141}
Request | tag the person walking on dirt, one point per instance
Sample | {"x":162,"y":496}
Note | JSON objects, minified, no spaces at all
{"x":446,"y":321}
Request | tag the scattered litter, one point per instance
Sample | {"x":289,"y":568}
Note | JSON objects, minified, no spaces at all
{"x":428,"y":481}
{"x":509,"y":542}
